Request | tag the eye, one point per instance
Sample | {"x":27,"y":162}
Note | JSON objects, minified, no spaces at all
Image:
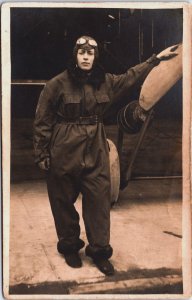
{"x":81,"y":52}
{"x":91,"y":52}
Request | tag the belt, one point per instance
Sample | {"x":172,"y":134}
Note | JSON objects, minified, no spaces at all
{"x":89,"y":120}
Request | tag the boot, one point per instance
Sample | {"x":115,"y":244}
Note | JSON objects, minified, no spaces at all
{"x":71,"y":252}
{"x":73,"y":259}
{"x":100,"y":257}
{"x":105,"y":266}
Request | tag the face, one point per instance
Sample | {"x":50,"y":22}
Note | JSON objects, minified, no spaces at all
{"x":85,"y":59}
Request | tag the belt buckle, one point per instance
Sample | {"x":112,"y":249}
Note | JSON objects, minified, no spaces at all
{"x":89,"y":120}
{"x":96,"y":119}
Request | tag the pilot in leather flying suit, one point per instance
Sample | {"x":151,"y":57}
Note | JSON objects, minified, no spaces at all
{"x":70,"y":144}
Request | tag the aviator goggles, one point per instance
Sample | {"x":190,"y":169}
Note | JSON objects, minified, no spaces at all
{"x":82,"y":41}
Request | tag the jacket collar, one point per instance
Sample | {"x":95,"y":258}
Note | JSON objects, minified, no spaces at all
{"x":95,"y":77}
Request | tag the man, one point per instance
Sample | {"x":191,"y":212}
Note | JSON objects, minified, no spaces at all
{"x":70,"y":144}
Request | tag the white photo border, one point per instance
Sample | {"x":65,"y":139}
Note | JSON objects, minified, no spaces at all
{"x":186,"y":137}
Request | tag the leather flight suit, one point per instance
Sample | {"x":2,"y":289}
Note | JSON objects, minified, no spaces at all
{"x":79,"y":154}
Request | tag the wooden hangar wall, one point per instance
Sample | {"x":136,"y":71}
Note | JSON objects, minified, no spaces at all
{"x":42,"y":40}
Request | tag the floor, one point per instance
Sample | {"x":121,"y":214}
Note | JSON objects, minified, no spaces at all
{"x":146,"y":232}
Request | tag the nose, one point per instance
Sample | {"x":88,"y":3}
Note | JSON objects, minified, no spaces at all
{"x":85,"y":56}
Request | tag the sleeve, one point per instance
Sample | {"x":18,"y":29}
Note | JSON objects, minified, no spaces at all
{"x":45,"y":119}
{"x":121,"y":83}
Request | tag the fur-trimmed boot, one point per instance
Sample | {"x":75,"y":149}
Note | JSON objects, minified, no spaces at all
{"x":71,"y":252}
{"x":101,"y":259}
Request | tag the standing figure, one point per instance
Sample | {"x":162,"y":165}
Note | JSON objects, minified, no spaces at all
{"x":70,"y":144}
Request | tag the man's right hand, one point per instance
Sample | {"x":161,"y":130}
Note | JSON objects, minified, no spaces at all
{"x":44,"y":164}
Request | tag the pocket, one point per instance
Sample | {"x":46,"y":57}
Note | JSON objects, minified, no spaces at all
{"x":71,"y":98}
{"x":102,"y":95}
{"x":102,"y":98}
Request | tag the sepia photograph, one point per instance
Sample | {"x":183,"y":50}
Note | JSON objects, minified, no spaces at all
{"x":96,"y":150}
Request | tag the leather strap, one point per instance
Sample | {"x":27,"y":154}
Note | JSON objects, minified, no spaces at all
{"x":89,"y":120}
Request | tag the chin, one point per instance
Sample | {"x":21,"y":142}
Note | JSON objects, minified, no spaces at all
{"x":85,"y":68}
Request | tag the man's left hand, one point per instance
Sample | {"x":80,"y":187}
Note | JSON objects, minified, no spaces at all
{"x":168,"y":53}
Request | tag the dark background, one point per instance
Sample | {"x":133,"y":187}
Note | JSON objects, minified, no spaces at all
{"x":42,"y":40}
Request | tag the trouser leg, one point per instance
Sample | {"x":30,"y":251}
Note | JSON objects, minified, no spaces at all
{"x":96,"y":210}
{"x":63,"y":193}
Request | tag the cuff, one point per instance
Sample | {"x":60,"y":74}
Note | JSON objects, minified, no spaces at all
{"x":41,"y":157}
{"x":99,"y":252}
{"x":153,"y":60}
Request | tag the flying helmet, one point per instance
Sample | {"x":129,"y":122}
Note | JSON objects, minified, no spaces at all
{"x":86,"y":43}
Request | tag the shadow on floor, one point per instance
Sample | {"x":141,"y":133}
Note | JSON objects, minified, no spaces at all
{"x":61,"y":287}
